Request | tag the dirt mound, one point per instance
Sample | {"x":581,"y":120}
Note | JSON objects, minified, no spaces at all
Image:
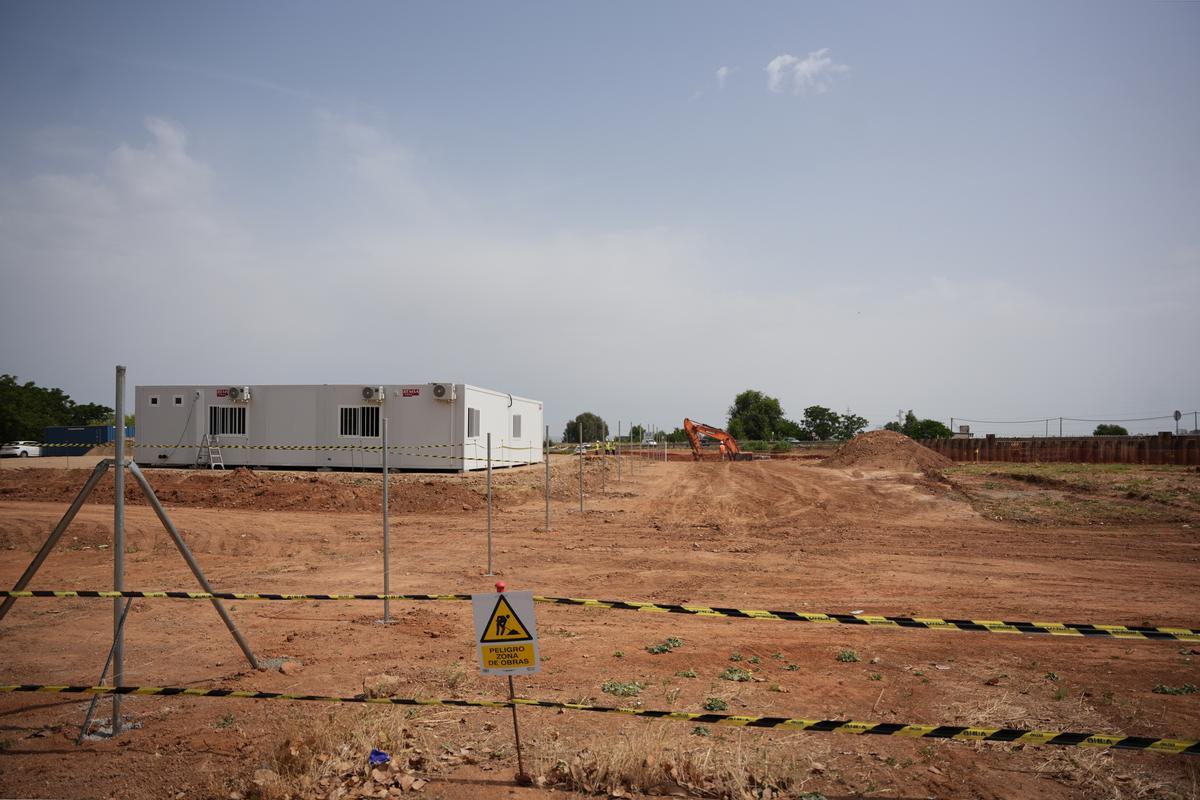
{"x":885,"y":450}
{"x":247,"y":489}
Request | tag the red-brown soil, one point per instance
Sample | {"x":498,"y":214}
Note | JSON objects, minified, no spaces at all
{"x":876,"y":450}
{"x":771,"y":534}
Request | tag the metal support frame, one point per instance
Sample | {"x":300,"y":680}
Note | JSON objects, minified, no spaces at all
{"x":387,"y":616}
{"x":91,"y":712}
{"x":56,"y":534}
{"x":489,"y":503}
{"x":118,"y":648}
{"x":191,"y":562}
{"x":546,"y":456}
{"x":115,"y":658}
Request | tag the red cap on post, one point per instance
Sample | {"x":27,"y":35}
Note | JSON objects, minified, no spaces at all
{"x":500,"y":586}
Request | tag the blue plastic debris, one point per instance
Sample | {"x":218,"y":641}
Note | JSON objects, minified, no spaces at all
{"x":378,"y":757}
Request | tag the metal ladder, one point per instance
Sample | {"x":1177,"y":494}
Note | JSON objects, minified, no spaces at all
{"x":209,"y":445}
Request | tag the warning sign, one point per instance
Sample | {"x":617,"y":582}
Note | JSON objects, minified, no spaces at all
{"x":506,"y":633}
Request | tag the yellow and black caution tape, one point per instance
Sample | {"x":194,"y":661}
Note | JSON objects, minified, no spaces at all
{"x":1075,"y":629}
{"x":1023,"y":736}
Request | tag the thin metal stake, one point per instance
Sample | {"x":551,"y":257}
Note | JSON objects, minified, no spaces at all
{"x":91,"y":712}
{"x":618,"y":451}
{"x":580,"y":426}
{"x":118,"y":664}
{"x":546,"y":455}
{"x":512,"y":695}
{"x":181,"y":545}
{"x":603,"y":459}
{"x":387,"y":541}
{"x":489,"y":502}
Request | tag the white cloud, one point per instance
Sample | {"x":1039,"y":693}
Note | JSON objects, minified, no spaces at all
{"x":723,"y":73}
{"x":815,"y":73}
{"x":775,"y":71}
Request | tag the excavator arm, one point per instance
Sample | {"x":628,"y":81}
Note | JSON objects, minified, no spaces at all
{"x":695,"y":430}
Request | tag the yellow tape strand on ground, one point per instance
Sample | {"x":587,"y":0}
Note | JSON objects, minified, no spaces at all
{"x":959,"y":732}
{"x":1072,"y":629}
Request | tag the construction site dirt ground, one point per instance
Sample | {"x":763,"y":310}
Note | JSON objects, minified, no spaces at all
{"x":764,"y":535}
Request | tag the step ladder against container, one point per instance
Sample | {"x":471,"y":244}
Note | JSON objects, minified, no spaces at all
{"x":210,"y":453}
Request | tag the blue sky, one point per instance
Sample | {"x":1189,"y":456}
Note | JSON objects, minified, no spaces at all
{"x":972,"y":210}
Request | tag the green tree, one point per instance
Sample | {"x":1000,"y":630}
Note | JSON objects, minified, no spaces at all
{"x":26,"y":409}
{"x":821,"y":423}
{"x":754,"y":415}
{"x":849,"y":426}
{"x":1110,"y":430}
{"x":677,"y":435}
{"x":594,"y":428}
{"x":928,"y":429}
{"x":915,"y":428}
{"x":636,"y":433}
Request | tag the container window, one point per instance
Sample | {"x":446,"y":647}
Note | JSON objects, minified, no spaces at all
{"x":472,"y":422}
{"x":370,"y":420}
{"x":358,"y":421}
{"x":348,"y":425}
{"x":153,"y":399}
{"x":516,"y":426}
{"x":227,"y":420}
{"x":178,"y":399}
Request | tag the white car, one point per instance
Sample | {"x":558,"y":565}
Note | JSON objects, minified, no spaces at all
{"x":20,"y":450}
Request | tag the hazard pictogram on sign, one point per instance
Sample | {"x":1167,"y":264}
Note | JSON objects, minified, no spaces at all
{"x":506,"y":633}
{"x":504,"y":625}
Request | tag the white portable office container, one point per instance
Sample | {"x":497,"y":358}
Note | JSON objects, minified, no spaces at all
{"x":431,"y":426}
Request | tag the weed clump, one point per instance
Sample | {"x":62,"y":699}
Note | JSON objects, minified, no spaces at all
{"x":1187,"y":688}
{"x":631,"y":689}
{"x":665,"y":647}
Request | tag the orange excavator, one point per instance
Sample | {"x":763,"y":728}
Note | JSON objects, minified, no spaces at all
{"x":695,"y":430}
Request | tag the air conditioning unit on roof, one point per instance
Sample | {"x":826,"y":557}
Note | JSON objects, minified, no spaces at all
{"x":375,"y":394}
{"x":239,"y":394}
{"x":443,"y":391}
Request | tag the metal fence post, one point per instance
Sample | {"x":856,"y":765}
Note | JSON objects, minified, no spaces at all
{"x":580,"y":427}
{"x":546,"y":456}
{"x":618,"y":451}
{"x":387,"y":615}
{"x":118,"y":649}
{"x":489,"y":501}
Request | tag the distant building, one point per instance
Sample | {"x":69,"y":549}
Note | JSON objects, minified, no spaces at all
{"x":431,"y":426}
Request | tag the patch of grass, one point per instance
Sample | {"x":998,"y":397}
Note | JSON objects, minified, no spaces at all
{"x":225,"y":721}
{"x":700,"y":730}
{"x":847,"y":656}
{"x":755,"y":660}
{"x":777,"y":656}
{"x":715,"y":704}
{"x":735,"y":656}
{"x":665,"y":647}
{"x":656,"y":760}
{"x":454,"y":675}
{"x":631,"y":689}
{"x":875,"y":676}
{"x":735,"y":674}
{"x":792,"y":667}
{"x":618,"y":654}
{"x":1051,"y":676}
{"x":686,"y":673}
{"x":1187,"y":688}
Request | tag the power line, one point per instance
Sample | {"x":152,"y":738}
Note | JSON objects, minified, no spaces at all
{"x":1067,"y":419}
